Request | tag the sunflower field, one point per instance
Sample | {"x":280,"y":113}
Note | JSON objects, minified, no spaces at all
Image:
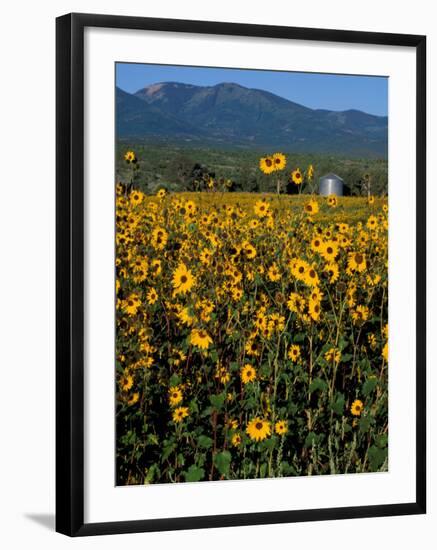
{"x":251,"y":335}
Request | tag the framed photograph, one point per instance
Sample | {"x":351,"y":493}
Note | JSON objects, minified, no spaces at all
{"x":240,"y":219}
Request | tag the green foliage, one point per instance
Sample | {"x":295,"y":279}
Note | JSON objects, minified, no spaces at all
{"x":338,"y":405}
{"x":204,"y":442}
{"x":369,"y":385}
{"x":318,"y":385}
{"x":377,"y":457}
{"x":217,"y":401}
{"x":222,"y":462}
{"x":194,"y":473}
{"x":179,"y":168}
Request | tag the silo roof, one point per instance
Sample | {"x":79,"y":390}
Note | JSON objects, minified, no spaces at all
{"x":331,"y":176}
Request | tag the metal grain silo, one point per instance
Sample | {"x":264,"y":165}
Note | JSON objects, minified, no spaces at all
{"x":331,"y":184}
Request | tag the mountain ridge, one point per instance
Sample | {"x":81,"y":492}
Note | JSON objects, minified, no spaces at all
{"x":233,"y":115}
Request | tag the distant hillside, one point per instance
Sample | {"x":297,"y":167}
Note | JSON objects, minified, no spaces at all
{"x":234,"y":116}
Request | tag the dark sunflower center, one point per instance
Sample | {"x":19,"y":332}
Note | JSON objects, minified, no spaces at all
{"x":184,"y":279}
{"x":259,"y":425}
{"x":268,"y":162}
{"x":358,"y":258}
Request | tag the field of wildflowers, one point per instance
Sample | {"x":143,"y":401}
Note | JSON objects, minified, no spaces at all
{"x":251,"y":334}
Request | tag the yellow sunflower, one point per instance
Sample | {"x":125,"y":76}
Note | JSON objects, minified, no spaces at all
{"x":258,"y":429}
{"x":236,"y":440}
{"x":329,"y":251}
{"x":131,"y":304}
{"x":248,"y":374}
{"x":281,"y":427}
{"x":316,"y":294}
{"x":333,"y":355}
{"x":200,"y":338}
{"x":296,"y":176}
{"x":222,"y":374}
{"x":296,"y":303}
{"x":126,"y":382}
{"x":332,"y":201}
{"x":311,"y":278}
{"x":190,"y":206}
{"x":360,"y":314}
{"x":155,"y":267}
{"x":372,"y":222}
{"x":357,"y":261}
{"x":273,"y":273}
{"x":205,"y":256}
{"x":252,"y":348}
{"x":174,"y":395}
{"x":152,"y":296}
{"x":279,"y":161}
{"x":133,"y":399}
{"x":317,"y":244}
{"x":314,"y":309}
{"x":248,"y":250}
{"x":299,"y":269}
{"x":180,"y":413}
{"x":159,"y":238}
{"x":186,"y":316}
{"x":261,"y":208}
{"x":183,"y":280}
{"x":294,"y":353}
{"x":136,"y":198}
{"x":311,"y":207}
{"x":266,"y":165}
{"x":357,"y":407}
{"x":130,"y":157}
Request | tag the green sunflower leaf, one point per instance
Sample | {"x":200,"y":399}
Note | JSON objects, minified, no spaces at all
{"x":222,"y":462}
{"x":194,"y":473}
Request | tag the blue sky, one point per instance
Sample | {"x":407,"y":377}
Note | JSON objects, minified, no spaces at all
{"x":315,"y":90}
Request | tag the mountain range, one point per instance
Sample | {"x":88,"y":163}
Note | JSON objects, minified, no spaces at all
{"x":229,"y":115}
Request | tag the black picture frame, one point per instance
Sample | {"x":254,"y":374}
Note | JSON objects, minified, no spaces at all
{"x":70,"y":273}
